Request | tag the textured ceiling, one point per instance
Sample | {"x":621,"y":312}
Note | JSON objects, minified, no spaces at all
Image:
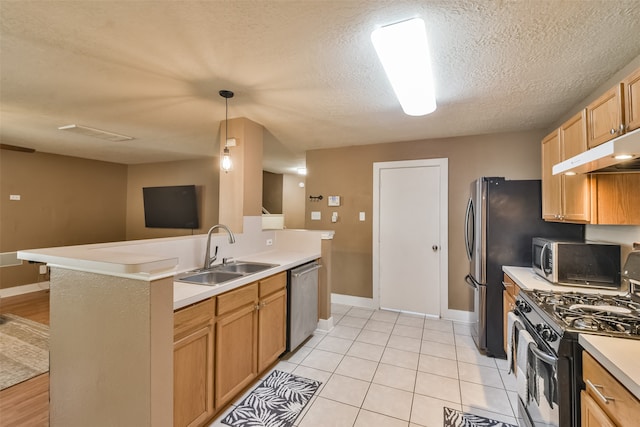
{"x":306,"y":70}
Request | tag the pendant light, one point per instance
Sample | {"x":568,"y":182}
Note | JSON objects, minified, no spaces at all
{"x":226,"y":156}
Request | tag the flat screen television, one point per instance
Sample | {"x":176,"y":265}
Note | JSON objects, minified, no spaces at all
{"x":170,"y":207}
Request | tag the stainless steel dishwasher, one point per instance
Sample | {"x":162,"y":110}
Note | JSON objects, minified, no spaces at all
{"x":302,"y":313}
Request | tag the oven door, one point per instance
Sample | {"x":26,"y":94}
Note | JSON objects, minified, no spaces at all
{"x":538,"y":402}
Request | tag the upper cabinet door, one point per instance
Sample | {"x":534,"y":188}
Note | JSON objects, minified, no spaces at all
{"x":573,"y":135}
{"x":551,"y":184}
{"x":632,"y":100}
{"x":576,"y":198}
{"x":605,"y":117}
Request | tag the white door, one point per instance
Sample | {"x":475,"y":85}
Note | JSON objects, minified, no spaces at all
{"x":410,"y":242}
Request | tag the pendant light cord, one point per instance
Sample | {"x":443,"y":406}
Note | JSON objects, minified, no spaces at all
{"x":226,"y":121}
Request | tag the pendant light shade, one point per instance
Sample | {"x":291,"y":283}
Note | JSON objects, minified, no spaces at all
{"x":226,"y":163}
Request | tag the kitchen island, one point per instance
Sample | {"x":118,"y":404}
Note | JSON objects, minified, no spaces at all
{"x":112,"y":322}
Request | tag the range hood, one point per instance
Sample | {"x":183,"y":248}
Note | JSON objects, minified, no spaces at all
{"x":602,"y":159}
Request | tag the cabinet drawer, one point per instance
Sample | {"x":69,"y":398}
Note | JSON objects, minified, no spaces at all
{"x":510,"y":286}
{"x":188,"y":318}
{"x":273,"y":284}
{"x":233,"y":300}
{"x":621,"y":406}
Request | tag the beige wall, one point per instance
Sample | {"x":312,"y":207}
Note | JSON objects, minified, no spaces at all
{"x":64,"y":201}
{"x":203,"y":173}
{"x":272,"y":187}
{"x":293,"y":201}
{"x":348,"y":172}
{"x":241,"y":189}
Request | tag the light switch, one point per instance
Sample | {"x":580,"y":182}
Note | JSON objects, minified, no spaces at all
{"x":334,"y":217}
{"x":361,"y":216}
{"x":315,"y":216}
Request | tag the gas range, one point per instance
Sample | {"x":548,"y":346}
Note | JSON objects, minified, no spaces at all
{"x":611,"y":315}
{"x":552,"y":321}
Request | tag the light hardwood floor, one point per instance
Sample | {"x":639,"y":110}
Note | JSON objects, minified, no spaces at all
{"x":27,"y":403}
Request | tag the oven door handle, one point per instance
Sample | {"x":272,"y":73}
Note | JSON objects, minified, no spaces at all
{"x":545,"y":357}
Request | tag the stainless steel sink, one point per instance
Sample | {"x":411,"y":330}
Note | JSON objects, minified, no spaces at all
{"x":244,"y":267}
{"x":210,"y":278}
{"x":224,"y":272}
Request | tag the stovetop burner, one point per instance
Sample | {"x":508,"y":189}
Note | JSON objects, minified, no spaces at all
{"x":615,"y":315}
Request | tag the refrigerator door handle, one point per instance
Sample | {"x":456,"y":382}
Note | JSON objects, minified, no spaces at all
{"x":470,"y":281}
{"x":467,"y":218}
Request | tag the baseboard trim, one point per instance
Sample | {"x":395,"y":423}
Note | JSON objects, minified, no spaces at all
{"x":458,"y":316}
{"x":325,"y":325}
{"x":23,"y":289}
{"x":454,"y":315}
{"x":352,"y":300}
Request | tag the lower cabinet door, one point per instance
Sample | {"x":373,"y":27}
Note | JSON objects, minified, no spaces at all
{"x":592,"y":414}
{"x":193,"y":378}
{"x":272,"y":328}
{"x":236,"y":360}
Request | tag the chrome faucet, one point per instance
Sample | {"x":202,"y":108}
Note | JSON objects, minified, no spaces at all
{"x":208,"y":259}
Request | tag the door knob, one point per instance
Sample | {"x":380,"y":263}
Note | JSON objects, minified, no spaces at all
{"x":435,"y":248}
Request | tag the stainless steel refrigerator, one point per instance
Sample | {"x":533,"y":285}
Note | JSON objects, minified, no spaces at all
{"x":502,"y":217}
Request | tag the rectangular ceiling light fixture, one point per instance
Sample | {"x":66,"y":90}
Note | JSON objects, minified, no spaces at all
{"x":96,"y":133}
{"x":404,"y":52}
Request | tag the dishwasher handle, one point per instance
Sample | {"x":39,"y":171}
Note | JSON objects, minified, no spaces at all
{"x":299,"y":272}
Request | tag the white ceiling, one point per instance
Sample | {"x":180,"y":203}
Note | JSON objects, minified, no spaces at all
{"x":304,"y":69}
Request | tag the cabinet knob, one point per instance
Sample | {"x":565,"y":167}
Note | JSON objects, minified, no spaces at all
{"x":622,"y":127}
{"x":613,"y":131}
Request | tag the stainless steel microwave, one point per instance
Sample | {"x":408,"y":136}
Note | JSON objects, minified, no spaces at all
{"x":574,"y":263}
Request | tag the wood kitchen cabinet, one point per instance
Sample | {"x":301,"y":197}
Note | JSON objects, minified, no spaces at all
{"x":616,"y":112}
{"x":236,"y":334}
{"x":605,"y":116}
{"x":616,"y":198}
{"x":551,"y":184}
{"x":509,"y":294}
{"x":605,"y":402}
{"x":592,"y":414}
{"x":272,"y":319}
{"x":565,"y":197}
{"x":598,"y":198}
{"x":631,"y":87}
{"x":250,"y":333}
{"x":193,"y":374}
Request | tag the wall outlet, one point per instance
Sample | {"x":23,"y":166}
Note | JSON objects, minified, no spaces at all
{"x":43,"y":269}
{"x":361,"y":216}
{"x":14,"y":197}
{"x":269,"y":242}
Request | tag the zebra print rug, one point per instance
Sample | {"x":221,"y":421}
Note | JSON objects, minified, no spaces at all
{"x":455,"y":418}
{"x":275,"y":402}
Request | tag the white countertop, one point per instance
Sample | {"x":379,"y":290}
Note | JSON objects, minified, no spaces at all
{"x":526,"y":278}
{"x":186,"y":293}
{"x":620,"y":356}
{"x":153,"y":259}
{"x":101,"y":257}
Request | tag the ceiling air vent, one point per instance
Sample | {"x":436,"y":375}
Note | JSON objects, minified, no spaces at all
{"x":96,"y":133}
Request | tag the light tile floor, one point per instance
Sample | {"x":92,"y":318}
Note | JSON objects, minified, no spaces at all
{"x":382,"y":368}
